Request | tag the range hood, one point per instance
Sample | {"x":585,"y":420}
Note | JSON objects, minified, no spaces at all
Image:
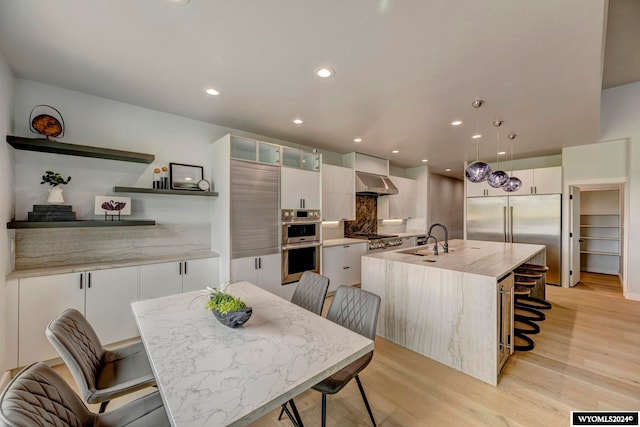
{"x":374,"y":185}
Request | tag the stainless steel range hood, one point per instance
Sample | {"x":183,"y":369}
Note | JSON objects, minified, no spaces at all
{"x":374,"y":185}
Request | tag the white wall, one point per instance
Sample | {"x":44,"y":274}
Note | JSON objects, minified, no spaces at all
{"x":620,"y":111}
{"x":446,"y":204}
{"x":6,"y":194}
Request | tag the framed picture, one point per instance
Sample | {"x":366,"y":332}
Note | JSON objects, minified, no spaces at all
{"x":111,"y":205}
{"x":185,"y":177}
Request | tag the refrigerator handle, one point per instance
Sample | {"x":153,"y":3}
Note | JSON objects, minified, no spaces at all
{"x":511,"y":223}
{"x":504,"y":223}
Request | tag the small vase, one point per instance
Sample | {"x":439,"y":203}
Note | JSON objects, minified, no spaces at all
{"x":55,"y":196}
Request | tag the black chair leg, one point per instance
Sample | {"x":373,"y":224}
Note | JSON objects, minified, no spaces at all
{"x":366,"y":402}
{"x":296,"y":413}
{"x":324,"y":410}
{"x":103,"y":406}
{"x":281,"y":412}
{"x":291,"y":417}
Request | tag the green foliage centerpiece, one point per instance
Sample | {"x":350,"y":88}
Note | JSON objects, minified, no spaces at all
{"x":229,"y":310}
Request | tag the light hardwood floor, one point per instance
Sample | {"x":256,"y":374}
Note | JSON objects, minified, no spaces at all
{"x":587,"y":357}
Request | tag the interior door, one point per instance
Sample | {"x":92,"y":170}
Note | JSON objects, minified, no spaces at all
{"x":486,"y":218}
{"x":574,"y":241}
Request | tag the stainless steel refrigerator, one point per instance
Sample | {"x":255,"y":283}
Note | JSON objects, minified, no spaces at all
{"x":532,"y":219}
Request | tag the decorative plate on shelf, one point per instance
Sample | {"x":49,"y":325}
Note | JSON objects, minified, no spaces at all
{"x":46,"y":121}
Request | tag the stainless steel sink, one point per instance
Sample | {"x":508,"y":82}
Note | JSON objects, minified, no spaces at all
{"x":421,"y":252}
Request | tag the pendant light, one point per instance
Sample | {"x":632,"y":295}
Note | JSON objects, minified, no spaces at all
{"x":513,"y":184}
{"x":477,"y":171}
{"x":497,"y":178}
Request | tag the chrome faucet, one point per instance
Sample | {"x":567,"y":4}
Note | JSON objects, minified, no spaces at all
{"x":445,"y":245}
{"x":435,"y":247}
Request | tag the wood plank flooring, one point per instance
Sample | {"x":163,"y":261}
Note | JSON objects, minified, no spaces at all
{"x":587,"y":357}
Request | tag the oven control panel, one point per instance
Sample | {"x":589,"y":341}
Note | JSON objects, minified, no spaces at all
{"x":293,"y":215}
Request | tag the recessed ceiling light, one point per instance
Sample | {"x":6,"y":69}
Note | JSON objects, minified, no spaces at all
{"x":325,"y":72}
{"x":476,"y":136}
{"x":213,"y":92}
{"x":447,"y":170}
{"x":357,"y":140}
{"x":179,"y":2}
{"x":502,"y":153}
{"x":298,"y":121}
{"x":425,"y":160}
{"x":456,"y":123}
{"x":395,"y":151}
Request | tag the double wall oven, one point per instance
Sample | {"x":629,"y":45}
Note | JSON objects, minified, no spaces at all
{"x":301,"y":243}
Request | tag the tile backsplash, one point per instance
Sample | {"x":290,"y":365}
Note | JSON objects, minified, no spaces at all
{"x":366,"y":217}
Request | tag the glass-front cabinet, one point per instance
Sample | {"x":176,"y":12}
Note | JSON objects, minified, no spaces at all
{"x":296,"y":158}
{"x":310,"y":161}
{"x":255,"y":151}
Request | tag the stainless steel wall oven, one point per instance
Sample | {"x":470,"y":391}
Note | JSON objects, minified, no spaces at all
{"x":301,"y":243}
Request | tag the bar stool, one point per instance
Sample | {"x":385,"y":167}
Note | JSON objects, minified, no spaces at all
{"x":537,"y":274}
{"x":521,"y":333}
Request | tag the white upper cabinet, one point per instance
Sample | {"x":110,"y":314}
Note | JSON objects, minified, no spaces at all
{"x":338,"y":193}
{"x":534,"y":181}
{"x":299,"y":189}
{"x":364,"y":163}
{"x":403,"y":204}
{"x":547,"y":180}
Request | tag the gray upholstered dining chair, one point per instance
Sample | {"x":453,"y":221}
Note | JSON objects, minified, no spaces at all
{"x":101,"y":374}
{"x":38,"y":396}
{"x":357,"y":310}
{"x":311,"y":292}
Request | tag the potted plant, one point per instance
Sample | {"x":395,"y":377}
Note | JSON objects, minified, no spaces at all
{"x":229,"y":310}
{"x":54,"y":179}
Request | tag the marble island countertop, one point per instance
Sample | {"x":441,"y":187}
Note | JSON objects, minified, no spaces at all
{"x":492,"y":259}
{"x":76,"y":268}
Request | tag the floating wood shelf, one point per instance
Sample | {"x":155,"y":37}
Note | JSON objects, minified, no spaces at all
{"x":42,"y":145}
{"x":76,"y":224}
{"x":159,"y":191}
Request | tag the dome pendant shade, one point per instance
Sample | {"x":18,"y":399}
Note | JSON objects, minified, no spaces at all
{"x":513,"y":184}
{"x":477,"y":171}
{"x":497,"y":179}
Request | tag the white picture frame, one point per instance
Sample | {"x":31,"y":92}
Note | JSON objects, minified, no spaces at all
{"x":101,"y":203}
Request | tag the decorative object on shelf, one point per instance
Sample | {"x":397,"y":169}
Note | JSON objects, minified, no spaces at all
{"x":54,"y":179}
{"x":513,"y":184}
{"x":111,"y":206}
{"x":204,"y":185}
{"x":164,"y":184}
{"x":46,"y":120}
{"x":48,"y":213}
{"x":156,"y":178}
{"x":229,"y":310}
{"x":497,"y":178}
{"x":185,"y":177}
{"x":477,"y":171}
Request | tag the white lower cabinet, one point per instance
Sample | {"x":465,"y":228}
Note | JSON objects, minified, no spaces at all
{"x":103,"y":296}
{"x":170,"y":278}
{"x":264,"y":271}
{"x":341,"y":264}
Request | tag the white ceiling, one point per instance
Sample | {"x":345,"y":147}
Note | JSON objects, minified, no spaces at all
{"x":404,"y":68}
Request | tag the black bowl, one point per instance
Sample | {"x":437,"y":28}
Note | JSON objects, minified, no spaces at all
{"x":234,"y":319}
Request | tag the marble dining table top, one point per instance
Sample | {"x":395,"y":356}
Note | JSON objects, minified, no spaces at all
{"x":209,"y":374}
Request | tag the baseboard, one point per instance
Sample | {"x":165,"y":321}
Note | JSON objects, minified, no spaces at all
{"x":4,"y":379}
{"x":635,"y":297}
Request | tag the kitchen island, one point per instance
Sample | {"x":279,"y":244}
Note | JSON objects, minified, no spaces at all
{"x":448,"y":306}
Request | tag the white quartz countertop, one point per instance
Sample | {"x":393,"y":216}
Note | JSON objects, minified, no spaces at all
{"x":492,"y":259}
{"x":212,"y":375}
{"x":344,"y":241}
{"x":131,"y":262}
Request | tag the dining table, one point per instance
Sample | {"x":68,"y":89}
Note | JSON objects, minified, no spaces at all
{"x":209,"y":374}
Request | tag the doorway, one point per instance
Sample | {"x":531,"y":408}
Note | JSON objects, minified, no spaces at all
{"x":597,"y":231}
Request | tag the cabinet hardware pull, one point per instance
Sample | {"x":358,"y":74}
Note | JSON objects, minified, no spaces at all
{"x":81,"y":277}
{"x":185,"y":267}
{"x":346,"y":268}
{"x":259,"y":263}
{"x":255,"y":263}
{"x":180,"y":268}
{"x":348,"y":246}
{"x":88,"y":280}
